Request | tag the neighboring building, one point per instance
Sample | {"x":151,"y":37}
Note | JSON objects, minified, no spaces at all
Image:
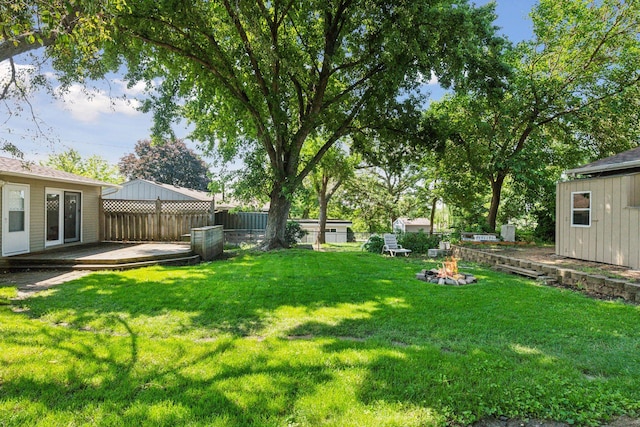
{"x":44,"y":208}
{"x":412,"y":225}
{"x":141,"y":189}
{"x":598,"y":215}
{"x":335,"y":230}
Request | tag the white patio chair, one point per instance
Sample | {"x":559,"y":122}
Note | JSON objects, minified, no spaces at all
{"x":391,"y":245}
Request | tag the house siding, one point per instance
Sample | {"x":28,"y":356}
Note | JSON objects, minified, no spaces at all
{"x":614,"y":234}
{"x":90,"y":209}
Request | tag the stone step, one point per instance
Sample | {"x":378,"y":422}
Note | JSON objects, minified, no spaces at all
{"x":518,"y":270}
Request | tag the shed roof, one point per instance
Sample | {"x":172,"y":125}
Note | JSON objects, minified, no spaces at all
{"x":194,"y":194}
{"x":187,"y":192}
{"x":27,"y":169}
{"x":629,"y":159}
{"x":415,"y":221}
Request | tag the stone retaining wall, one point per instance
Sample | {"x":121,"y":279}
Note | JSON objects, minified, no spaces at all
{"x":578,"y":280}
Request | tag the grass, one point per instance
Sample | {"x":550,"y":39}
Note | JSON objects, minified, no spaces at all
{"x":302,"y":338}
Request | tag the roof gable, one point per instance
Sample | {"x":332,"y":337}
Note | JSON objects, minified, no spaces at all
{"x":130,"y":186}
{"x":21,"y":168}
{"x":414,"y":221}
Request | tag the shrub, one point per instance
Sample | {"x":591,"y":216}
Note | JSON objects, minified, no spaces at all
{"x":293,"y":233}
{"x":374,"y":244}
{"x":419,"y":242}
{"x":351,"y":236}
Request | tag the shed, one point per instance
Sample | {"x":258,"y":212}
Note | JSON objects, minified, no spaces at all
{"x":598,"y":212}
{"x":43,"y":208}
{"x":335,"y":230}
{"x":411,"y":225}
{"x":142,"y":189}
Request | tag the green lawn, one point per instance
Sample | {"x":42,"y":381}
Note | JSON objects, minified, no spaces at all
{"x":302,"y":338}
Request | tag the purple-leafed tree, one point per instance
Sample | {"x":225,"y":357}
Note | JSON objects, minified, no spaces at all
{"x":171,"y":162}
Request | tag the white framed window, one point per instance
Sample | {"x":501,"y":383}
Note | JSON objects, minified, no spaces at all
{"x":581,"y":209}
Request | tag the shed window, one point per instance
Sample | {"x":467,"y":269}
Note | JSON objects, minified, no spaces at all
{"x":581,"y":209}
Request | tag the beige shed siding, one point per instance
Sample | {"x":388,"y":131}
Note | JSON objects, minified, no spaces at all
{"x":613,"y":236}
{"x":90,"y":209}
{"x":634,"y":190}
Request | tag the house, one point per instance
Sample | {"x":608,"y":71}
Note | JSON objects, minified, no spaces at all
{"x":142,"y":189}
{"x":411,"y":225}
{"x":335,"y":230}
{"x":44,"y":208}
{"x":598,"y":213}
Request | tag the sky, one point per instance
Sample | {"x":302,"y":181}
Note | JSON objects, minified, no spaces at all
{"x":97,"y":121}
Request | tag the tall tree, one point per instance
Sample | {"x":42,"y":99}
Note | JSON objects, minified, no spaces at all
{"x":93,"y":167}
{"x":381,"y":195}
{"x":326,"y":178}
{"x":582,"y":67}
{"x":170,"y":162}
{"x":268,"y":75}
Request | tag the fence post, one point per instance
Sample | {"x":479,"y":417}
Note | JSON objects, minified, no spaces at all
{"x":101,"y":220}
{"x":158,"y":219}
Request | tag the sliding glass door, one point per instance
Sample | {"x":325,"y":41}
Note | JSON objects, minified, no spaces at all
{"x":71,"y":217}
{"x":63,"y":216}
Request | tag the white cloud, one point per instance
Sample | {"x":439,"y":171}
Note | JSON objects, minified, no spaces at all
{"x":138,"y":89}
{"x":87,"y":105}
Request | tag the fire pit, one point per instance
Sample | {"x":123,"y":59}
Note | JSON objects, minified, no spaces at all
{"x":446,"y":275}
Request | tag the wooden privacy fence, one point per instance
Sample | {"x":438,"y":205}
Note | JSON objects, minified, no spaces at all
{"x":152,"y":220}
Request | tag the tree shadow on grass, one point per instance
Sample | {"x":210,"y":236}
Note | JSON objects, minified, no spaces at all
{"x":140,"y":342}
{"x":136,"y":381}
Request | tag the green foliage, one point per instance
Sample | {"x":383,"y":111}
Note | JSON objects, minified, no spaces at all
{"x":93,"y":167}
{"x":574,"y":82}
{"x":269,"y":77}
{"x":294,"y":233}
{"x":419,"y":242}
{"x":351,"y":237}
{"x":169,"y":162}
{"x":374,"y":244}
{"x":525,"y":235}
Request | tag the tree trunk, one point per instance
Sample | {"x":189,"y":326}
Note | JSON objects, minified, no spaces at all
{"x":322,"y":218}
{"x":274,"y":236}
{"x":434,"y":203}
{"x":496,"y":192}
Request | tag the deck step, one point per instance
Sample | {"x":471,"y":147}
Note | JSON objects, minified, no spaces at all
{"x":101,"y":265}
{"x":518,"y":270}
{"x":44,"y":259}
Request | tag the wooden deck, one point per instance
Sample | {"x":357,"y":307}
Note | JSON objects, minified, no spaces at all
{"x":117,"y":256}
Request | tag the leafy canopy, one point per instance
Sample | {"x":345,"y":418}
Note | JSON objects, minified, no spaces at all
{"x":92,"y":167}
{"x":260,"y":78}
{"x":171,"y":162}
{"x":573,"y":88}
